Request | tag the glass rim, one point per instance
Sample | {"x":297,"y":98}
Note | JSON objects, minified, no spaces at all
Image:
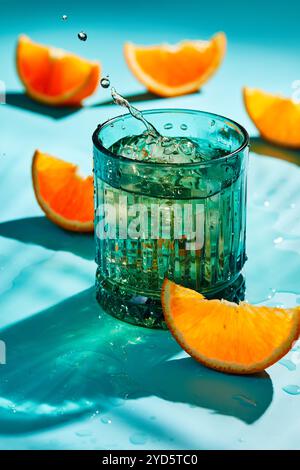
{"x":97,"y":143}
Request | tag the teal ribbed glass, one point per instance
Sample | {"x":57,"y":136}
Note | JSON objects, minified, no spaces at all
{"x":131,"y":269}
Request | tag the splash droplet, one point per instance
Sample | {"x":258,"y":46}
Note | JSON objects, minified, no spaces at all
{"x":278,"y":240}
{"x":82,"y":36}
{"x":104,"y":82}
{"x":64,"y":17}
{"x":292,"y":389}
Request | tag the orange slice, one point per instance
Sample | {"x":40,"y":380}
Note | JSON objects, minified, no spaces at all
{"x":276,"y":118}
{"x":64,"y":196}
{"x":53,"y":76}
{"x":238,"y":339}
{"x":172,"y":70}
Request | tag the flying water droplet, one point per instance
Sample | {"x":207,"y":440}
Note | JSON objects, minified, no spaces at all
{"x":64,"y":17}
{"x":277,"y":240}
{"x":292,"y":389}
{"x":82,"y":36}
{"x":105,"y":82}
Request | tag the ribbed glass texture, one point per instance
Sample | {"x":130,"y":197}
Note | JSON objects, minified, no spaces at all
{"x":207,"y":197}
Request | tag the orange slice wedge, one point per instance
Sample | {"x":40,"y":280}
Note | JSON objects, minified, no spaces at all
{"x":54,"y":76}
{"x":64,"y":196}
{"x":238,"y":339}
{"x":276,"y":118}
{"x":172,"y":70}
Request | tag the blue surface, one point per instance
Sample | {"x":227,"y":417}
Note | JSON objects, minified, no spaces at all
{"x":75,"y":377}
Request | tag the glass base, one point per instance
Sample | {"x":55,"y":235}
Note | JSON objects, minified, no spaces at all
{"x":145,"y":311}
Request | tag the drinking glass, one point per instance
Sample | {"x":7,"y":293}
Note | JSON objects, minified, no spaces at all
{"x":182,"y":221}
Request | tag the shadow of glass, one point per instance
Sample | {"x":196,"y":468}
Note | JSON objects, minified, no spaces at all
{"x":73,"y":359}
{"x":40,"y":231}
{"x":261,"y":147}
{"x":21,"y":100}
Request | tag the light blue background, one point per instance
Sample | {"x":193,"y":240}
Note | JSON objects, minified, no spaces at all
{"x":75,"y":377}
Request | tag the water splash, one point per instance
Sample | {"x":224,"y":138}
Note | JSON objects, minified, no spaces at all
{"x":136,"y":113}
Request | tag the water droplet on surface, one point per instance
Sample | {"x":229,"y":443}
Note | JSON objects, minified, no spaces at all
{"x":83,"y":434}
{"x":183,"y":127}
{"x":212,"y":123}
{"x":105,"y":420}
{"x":82,"y":36}
{"x":105,"y":82}
{"x":138,"y":438}
{"x":288,"y":364}
{"x":272,"y":293}
{"x":116,"y":401}
{"x":292,"y":389}
{"x":278,"y":240}
{"x":64,"y":17}
{"x":168,"y":126}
